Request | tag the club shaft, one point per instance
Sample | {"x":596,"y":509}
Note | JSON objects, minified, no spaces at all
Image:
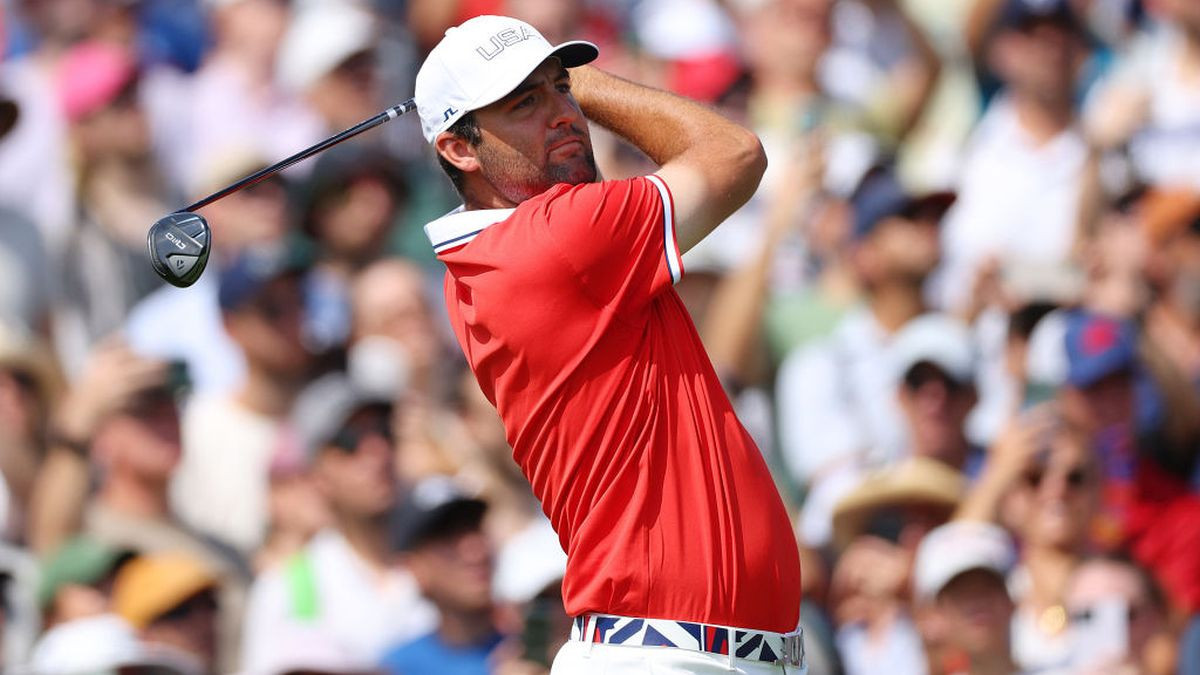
{"x":256,"y":177}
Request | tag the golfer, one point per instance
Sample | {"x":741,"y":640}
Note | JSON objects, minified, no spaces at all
{"x":559,"y":286}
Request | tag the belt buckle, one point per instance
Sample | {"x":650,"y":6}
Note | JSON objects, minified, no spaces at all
{"x":793,"y":649}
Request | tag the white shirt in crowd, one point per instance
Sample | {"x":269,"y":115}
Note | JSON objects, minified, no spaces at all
{"x":351,"y":614}
{"x":837,"y":399}
{"x":1166,"y":149}
{"x":1017,"y":201}
{"x":220,"y":487}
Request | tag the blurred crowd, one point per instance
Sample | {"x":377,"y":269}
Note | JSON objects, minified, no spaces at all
{"x":961,"y":317}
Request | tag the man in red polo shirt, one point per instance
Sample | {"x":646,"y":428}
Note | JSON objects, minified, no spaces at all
{"x":681,"y":556}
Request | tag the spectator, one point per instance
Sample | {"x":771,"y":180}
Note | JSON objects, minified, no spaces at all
{"x":118,"y":191}
{"x":1147,"y":505}
{"x":170,"y":599}
{"x":877,"y":527}
{"x":936,"y":367}
{"x":137,"y":450}
{"x":1119,"y":619}
{"x":110,"y":382}
{"x":35,"y":178}
{"x":232,"y":105}
{"x":838,"y":398}
{"x":932,"y":373}
{"x":221,"y":485}
{"x":343,"y":594}
{"x":186,"y":325}
{"x":396,"y":345}
{"x":353,"y":200}
{"x":528,"y":589}
{"x":1151,"y":102}
{"x":1025,"y":168}
{"x":1040,"y":480}
{"x":328,"y":59}
{"x":959,"y":582}
{"x":76,"y":580}
{"x":440,"y":531}
{"x":25,"y":298}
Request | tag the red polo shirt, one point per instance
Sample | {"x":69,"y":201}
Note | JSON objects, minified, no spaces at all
{"x":565,"y":309}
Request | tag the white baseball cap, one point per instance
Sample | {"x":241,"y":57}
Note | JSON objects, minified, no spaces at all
{"x":935,"y":338}
{"x":320,"y":38}
{"x":960,"y":546}
{"x":479,"y":62}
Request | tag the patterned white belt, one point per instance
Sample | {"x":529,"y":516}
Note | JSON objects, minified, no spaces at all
{"x":754,"y":645}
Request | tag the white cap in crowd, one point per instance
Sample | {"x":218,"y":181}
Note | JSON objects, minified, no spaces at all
{"x":321,"y":37}
{"x":529,"y":562}
{"x":479,"y":62}
{"x":957,"y":547}
{"x":939,"y":339}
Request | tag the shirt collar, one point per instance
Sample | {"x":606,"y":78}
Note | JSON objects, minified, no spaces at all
{"x":461,"y":226}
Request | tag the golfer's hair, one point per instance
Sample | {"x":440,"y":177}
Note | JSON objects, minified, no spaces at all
{"x":466,"y":128}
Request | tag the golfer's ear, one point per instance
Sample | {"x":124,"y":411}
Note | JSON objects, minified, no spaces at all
{"x":457,"y":151}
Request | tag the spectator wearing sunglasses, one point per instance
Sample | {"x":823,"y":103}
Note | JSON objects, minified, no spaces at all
{"x":1041,"y":481}
{"x":343,"y":599}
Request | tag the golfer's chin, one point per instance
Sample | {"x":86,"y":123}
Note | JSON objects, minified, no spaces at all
{"x":580,"y":168}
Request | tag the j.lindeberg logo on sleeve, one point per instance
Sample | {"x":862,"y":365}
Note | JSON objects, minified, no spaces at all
{"x":505,"y":38}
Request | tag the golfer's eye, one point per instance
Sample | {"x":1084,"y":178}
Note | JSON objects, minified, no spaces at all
{"x":564,"y":87}
{"x":525,"y":102}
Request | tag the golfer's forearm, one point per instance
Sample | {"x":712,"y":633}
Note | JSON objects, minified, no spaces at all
{"x":660,"y":124}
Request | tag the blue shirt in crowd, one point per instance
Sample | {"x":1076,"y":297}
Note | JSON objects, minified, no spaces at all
{"x":428,"y":655}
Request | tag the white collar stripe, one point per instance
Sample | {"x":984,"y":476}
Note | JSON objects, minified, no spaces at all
{"x":672,"y":252}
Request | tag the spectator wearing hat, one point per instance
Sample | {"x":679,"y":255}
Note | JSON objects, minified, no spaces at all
{"x":1025,"y":174}
{"x":528,"y":590}
{"x":439,"y":529}
{"x":959,"y":584}
{"x":1148,"y":506}
{"x":76,"y":580}
{"x":876,"y":529}
{"x":327,"y":58}
{"x":1119,"y":619}
{"x":220,"y":487}
{"x":186,"y":325}
{"x":837,"y":398}
{"x":344,"y":592}
{"x":170,"y":599}
{"x":105,"y":394}
{"x":119,"y":190}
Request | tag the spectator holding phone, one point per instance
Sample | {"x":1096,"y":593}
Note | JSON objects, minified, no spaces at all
{"x":1041,"y":481}
{"x":1119,"y":619}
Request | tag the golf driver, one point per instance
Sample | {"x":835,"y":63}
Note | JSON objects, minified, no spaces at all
{"x":180,"y":242}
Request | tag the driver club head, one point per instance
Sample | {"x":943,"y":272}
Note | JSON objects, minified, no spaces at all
{"x":179,"y":244}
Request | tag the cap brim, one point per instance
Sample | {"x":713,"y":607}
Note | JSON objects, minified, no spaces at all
{"x":935,"y":202}
{"x":571,"y":54}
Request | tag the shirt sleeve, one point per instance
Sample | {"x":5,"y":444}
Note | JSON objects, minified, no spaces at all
{"x":618,"y":237}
